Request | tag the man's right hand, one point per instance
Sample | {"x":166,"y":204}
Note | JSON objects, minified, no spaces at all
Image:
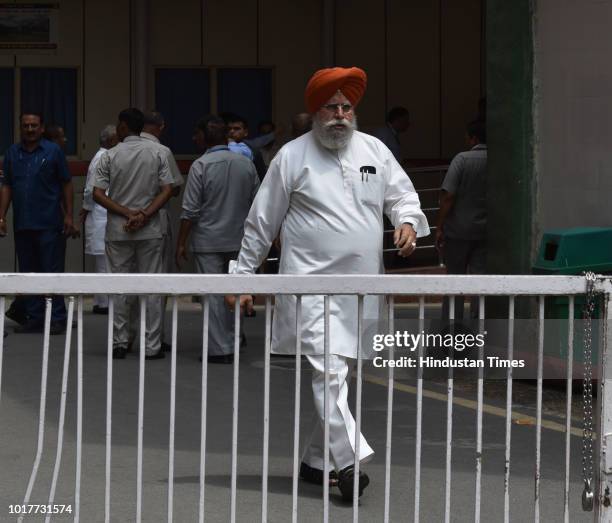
{"x":439,"y":240}
{"x":180,"y":255}
{"x":3,"y":227}
{"x":246,"y":303}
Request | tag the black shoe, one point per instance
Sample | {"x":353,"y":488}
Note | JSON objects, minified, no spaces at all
{"x":99,"y":310}
{"x":166,"y":347}
{"x":57,"y":327}
{"x":119,"y":352}
{"x":29,"y":327}
{"x":223,"y":358}
{"x":315,"y":476}
{"x":159,"y":355}
{"x":345,"y":482}
{"x":16,"y":316}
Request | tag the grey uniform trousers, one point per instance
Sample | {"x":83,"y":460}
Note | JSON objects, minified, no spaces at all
{"x":221,"y":319}
{"x":167,"y":267}
{"x":136,"y":256}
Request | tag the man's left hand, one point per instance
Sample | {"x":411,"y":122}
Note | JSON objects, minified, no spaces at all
{"x":404,"y":239}
{"x":70,"y":230}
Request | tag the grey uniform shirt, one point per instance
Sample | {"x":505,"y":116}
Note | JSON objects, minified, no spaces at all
{"x":466,"y":179}
{"x":133,"y":173}
{"x":220,"y":189}
{"x":177,"y":178}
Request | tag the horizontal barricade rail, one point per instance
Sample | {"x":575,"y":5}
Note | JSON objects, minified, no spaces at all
{"x":76,"y":286}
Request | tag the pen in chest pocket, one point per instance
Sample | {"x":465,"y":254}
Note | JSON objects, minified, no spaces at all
{"x":366,"y":170}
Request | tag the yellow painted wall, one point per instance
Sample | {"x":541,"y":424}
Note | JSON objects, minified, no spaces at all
{"x":422,"y":54}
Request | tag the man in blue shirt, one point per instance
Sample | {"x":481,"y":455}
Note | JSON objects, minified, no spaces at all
{"x":37,"y":182}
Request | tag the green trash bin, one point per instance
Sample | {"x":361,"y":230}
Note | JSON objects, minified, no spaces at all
{"x":572,"y":252}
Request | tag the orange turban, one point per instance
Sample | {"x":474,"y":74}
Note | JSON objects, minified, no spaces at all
{"x":325,"y":82}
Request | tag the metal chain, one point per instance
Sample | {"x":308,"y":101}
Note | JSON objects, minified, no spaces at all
{"x":587,"y":394}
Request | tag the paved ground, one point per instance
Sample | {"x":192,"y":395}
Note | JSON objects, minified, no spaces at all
{"x":19,"y":406}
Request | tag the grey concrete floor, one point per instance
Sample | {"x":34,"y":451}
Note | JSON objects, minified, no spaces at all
{"x":19,"y":407}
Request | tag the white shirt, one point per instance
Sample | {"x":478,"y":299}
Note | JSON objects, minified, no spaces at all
{"x":328,"y":206}
{"x":95,"y":223}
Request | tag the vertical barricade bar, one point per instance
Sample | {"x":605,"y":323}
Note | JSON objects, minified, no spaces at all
{"x":568,"y":405}
{"x":266,"y":431}
{"x":205,"y":323}
{"x":603,"y":505}
{"x":358,"y":409}
{"x":539,"y":406}
{"x":109,"y":407}
{"x":79,"y":439}
{"x":391,"y":304}
{"x":296,"y":418}
{"x":141,"y":379}
{"x":481,"y":316}
{"x":419,"y":417}
{"x":62,"y":413}
{"x":43,"y":404}
{"x":508,"y":410}
{"x":235,"y":410}
{"x":172,"y":410}
{"x":449,"y":424}
{"x":326,"y":410}
{"x":2,"y":306}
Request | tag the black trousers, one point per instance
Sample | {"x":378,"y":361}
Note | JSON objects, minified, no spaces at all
{"x":464,"y":257}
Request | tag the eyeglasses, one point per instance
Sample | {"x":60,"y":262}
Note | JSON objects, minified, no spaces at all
{"x":334,"y":108}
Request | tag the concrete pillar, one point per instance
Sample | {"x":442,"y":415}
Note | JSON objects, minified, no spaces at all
{"x":511,"y":190}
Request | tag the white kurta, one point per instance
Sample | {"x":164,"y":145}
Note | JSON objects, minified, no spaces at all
{"x":95,"y":223}
{"x":330,"y":217}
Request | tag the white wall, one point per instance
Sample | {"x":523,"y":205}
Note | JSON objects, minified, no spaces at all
{"x":574,"y":113}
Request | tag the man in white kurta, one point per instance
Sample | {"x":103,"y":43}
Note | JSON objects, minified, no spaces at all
{"x":325,"y":193}
{"x":95,"y":216}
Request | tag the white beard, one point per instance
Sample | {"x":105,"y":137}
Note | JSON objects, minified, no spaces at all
{"x":331,"y":138}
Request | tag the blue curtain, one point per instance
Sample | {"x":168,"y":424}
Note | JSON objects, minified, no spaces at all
{"x":247,"y":92}
{"x":183,"y":97}
{"x":52,"y":92}
{"x":7,"y":96}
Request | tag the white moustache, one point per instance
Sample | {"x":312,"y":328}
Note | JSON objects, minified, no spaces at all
{"x":343,"y":122}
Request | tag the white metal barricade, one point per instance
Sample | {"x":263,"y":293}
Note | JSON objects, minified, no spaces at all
{"x":75,"y":286}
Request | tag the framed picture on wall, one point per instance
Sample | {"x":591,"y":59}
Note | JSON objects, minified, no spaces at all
{"x":29,"y":26}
